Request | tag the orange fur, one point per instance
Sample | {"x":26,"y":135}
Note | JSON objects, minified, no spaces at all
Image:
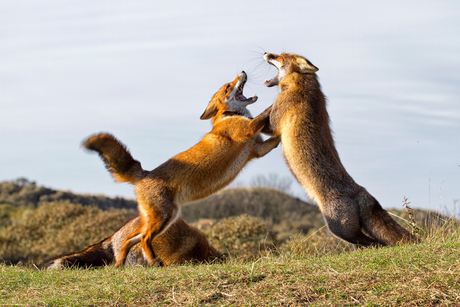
{"x":193,"y":174}
{"x":179,"y":244}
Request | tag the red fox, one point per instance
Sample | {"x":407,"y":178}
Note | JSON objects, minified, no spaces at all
{"x":179,"y":244}
{"x":193,"y":174}
{"x":300,"y":117}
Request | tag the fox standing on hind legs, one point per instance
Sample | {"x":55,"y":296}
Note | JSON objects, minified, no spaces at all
{"x":299,"y":115}
{"x":193,"y":174}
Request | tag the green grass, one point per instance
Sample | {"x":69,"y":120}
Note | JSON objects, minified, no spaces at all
{"x":312,"y":268}
{"x":417,"y":275}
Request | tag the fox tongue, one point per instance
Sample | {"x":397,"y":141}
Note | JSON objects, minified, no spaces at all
{"x":241,"y":97}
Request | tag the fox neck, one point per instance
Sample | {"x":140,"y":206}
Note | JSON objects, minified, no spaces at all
{"x":300,"y":81}
{"x":233,"y":111}
{"x":238,"y":109}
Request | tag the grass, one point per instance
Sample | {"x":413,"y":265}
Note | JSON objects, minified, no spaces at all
{"x":312,"y":268}
{"x":414,"y":275}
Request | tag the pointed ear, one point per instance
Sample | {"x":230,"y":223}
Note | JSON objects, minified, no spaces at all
{"x":210,"y":111}
{"x":306,"y":66}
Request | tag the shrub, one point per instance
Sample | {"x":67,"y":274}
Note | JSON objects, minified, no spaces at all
{"x":57,"y":228}
{"x":242,"y":236}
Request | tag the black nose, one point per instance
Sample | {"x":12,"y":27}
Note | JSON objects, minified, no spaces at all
{"x":265,"y":53}
{"x":243,"y":72}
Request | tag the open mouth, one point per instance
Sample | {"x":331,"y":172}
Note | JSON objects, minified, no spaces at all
{"x":271,"y":82}
{"x":239,"y":90}
{"x":275,"y":80}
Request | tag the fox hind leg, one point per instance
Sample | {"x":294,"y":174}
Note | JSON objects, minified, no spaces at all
{"x":153,"y":229}
{"x":380,"y":225}
{"x":130,"y":241}
{"x":352,"y":235}
{"x":343,"y":220}
{"x":158,"y":227}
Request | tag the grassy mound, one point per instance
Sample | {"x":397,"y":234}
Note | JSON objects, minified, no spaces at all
{"x":413,"y":275}
{"x":56,"y":228}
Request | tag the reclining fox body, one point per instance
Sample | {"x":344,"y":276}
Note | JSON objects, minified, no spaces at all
{"x":179,"y":244}
{"x":299,"y":115}
{"x":193,"y":174}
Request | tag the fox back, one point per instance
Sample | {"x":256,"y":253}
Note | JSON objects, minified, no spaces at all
{"x":299,"y":115}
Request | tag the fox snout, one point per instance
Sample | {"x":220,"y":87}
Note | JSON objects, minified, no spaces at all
{"x":269,"y":56}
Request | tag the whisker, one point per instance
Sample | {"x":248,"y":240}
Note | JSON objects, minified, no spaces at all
{"x":259,"y":52}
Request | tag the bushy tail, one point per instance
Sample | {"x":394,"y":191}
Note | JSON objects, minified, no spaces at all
{"x":379,"y":224}
{"x":116,"y":157}
{"x":97,"y":255}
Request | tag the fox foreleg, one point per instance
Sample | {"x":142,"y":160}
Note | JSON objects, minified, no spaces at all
{"x":265,"y":147}
{"x":257,"y":124}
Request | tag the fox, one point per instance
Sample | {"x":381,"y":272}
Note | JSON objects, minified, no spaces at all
{"x":193,"y":174}
{"x":179,"y":244}
{"x":300,"y":117}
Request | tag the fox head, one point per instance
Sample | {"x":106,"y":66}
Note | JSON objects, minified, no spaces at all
{"x":229,"y":98}
{"x":288,"y":63}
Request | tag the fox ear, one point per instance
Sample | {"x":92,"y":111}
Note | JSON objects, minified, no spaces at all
{"x":210,"y":111}
{"x":306,"y":66}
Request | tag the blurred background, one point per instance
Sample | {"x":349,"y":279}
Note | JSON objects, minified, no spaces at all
{"x":145,"y":72}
